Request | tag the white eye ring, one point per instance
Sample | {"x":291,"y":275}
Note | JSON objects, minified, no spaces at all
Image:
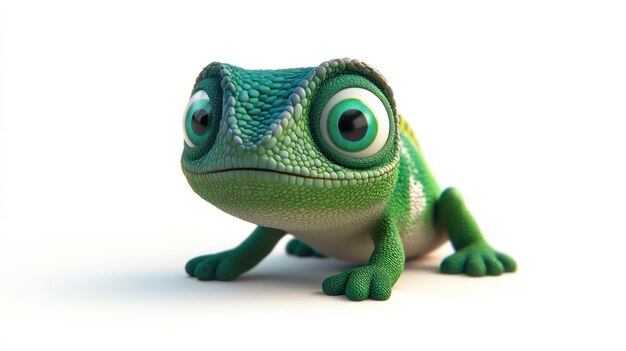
{"x":197,"y":96}
{"x":377,"y":108}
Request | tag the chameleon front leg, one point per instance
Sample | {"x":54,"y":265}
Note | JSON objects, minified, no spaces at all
{"x":473,"y":255}
{"x":375,"y":279}
{"x":230,"y":264}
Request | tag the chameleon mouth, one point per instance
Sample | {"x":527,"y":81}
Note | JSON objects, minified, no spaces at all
{"x":255,"y":170}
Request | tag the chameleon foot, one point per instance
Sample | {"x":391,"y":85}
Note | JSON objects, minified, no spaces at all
{"x":478,"y":260}
{"x":360,"y":283}
{"x":227,"y":265}
{"x":298,"y":248}
{"x":230,"y":264}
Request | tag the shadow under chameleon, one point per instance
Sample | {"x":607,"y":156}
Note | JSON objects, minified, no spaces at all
{"x":277,"y":276}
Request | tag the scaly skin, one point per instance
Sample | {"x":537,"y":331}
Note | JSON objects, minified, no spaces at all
{"x":288,"y":151}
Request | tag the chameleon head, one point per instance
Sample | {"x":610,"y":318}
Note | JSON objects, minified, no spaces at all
{"x":294,"y":149}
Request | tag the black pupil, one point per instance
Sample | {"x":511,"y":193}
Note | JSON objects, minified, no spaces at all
{"x":353,"y":125}
{"x":200,"y":121}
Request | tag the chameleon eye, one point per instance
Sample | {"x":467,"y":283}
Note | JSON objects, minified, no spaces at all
{"x":355,"y":122}
{"x":197,"y":122}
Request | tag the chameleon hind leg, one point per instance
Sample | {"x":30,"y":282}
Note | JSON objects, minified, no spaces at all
{"x":299,"y":248}
{"x":230,"y":264}
{"x":473,"y":255}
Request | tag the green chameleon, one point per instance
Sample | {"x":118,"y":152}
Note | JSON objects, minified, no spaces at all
{"x":322,"y":153}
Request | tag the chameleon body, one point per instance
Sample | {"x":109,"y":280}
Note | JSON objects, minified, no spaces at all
{"x":322,"y":153}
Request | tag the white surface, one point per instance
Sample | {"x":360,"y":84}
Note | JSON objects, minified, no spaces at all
{"x":518,"y":105}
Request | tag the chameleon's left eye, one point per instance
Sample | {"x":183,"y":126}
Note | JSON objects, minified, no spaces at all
{"x":355,"y":122}
{"x":197,"y":121}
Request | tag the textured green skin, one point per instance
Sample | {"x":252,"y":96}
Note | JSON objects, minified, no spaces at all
{"x":264,"y":162}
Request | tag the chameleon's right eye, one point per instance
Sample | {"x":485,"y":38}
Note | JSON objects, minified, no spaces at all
{"x":197,"y":119}
{"x":355,"y":123}
{"x":352,"y":122}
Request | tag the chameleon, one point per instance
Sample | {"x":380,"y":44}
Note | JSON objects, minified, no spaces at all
{"x":322,"y":153}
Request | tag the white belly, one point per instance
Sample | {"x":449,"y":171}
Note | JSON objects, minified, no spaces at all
{"x":356,"y":244}
{"x":352,"y":239}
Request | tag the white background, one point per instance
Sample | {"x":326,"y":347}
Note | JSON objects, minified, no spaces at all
{"x":518,"y":104}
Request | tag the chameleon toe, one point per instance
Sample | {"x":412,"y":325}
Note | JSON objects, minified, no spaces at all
{"x":475,"y":265}
{"x":205,"y":270}
{"x":508,"y":262}
{"x":454,"y":264}
{"x":335,"y":285}
{"x":190,"y":267}
{"x":494,"y":266}
{"x":358,"y":284}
